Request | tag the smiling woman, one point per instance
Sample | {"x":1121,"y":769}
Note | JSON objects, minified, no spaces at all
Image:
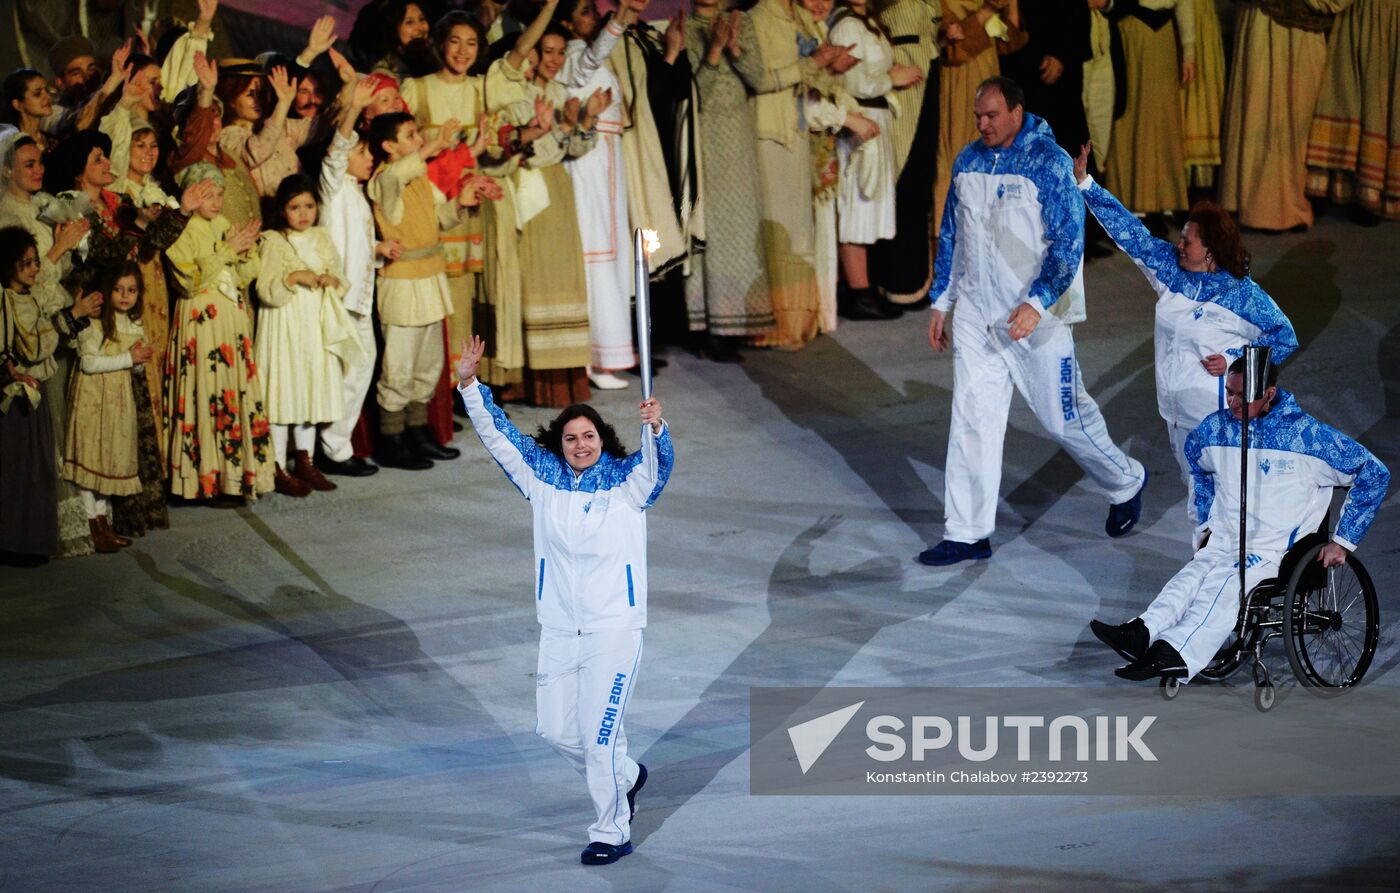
{"x":589,"y":499}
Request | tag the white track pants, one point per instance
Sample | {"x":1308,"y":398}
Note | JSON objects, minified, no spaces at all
{"x":582,"y":685}
{"x":1198,"y":608}
{"x":1043,"y":368}
{"x":335,"y":437}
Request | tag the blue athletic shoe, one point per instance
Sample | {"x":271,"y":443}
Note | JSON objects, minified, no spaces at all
{"x":636,"y":788}
{"x":599,"y":853}
{"x":950,"y":552}
{"x":1123,"y":516}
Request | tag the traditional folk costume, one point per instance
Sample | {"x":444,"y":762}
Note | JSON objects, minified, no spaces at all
{"x":865,"y":197}
{"x":218,"y":428}
{"x":1202,"y":99}
{"x":414,"y":297}
{"x":549,"y":278}
{"x":52,"y":297}
{"x":727,"y":294}
{"x":348,"y":219}
{"x":823,"y":108}
{"x":433,"y":100}
{"x":303,"y":333}
{"x":600,"y":183}
{"x":270,"y":154}
{"x":785,"y":172}
{"x":966,"y":63}
{"x":1146,"y":166}
{"x":1354,"y":146}
{"x":903,"y":266}
{"x":110,"y":422}
{"x":1278,"y":62}
{"x":1099,"y":85}
{"x":242,"y":200}
{"x":32,"y":330}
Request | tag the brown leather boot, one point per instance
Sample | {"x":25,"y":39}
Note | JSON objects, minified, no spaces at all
{"x":103,"y":540}
{"x":289,"y":486}
{"x":307,"y":471}
{"x":107,"y":526}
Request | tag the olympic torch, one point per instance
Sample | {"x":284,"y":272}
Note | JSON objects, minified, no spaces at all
{"x":644,"y":242}
{"x":1256,"y":372}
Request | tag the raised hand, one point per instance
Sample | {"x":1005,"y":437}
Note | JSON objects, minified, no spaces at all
{"x":598,"y":102}
{"x":322,"y":36}
{"x":569,"y":116}
{"x":66,"y":236}
{"x":119,"y":58}
{"x":446,"y":136}
{"x":544,"y":114}
{"x":342,"y":66}
{"x":242,"y":240}
{"x":142,"y":41}
{"x":207,"y":71}
{"x":207,"y":8}
{"x":86,"y":304}
{"x":651,"y":414}
{"x":472,"y":352}
{"x":195,"y":195}
{"x":1081,"y":162}
{"x":675,"y":36}
{"x":719,"y":39}
{"x":283,"y":86}
{"x":363,"y":94}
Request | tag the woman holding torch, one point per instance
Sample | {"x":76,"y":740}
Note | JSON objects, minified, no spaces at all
{"x":589,"y":498}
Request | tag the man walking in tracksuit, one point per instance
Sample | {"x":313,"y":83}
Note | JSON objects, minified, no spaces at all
{"x":1010,"y":255}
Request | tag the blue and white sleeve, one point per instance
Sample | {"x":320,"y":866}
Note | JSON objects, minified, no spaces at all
{"x":523,"y":460}
{"x":1202,"y":479}
{"x":941,"y":291}
{"x":1275,"y":331}
{"x":648,"y":477}
{"x":1156,"y":258}
{"x":1062,"y":216}
{"x":1353,"y":466}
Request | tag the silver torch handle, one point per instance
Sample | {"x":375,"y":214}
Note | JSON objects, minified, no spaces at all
{"x":642,"y":288}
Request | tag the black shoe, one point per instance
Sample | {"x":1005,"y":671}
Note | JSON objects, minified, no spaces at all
{"x":599,"y":853}
{"x":354,"y":467}
{"x":395,"y":452}
{"x":1129,"y":639}
{"x":951,"y":552}
{"x":719,"y":349}
{"x":636,"y":788}
{"x":1160,"y":660}
{"x":865,"y":304}
{"x":888,"y":309}
{"x":421,"y":443}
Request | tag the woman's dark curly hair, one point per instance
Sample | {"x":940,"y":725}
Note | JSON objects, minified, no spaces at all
{"x":1221,"y":237}
{"x":552,"y":437}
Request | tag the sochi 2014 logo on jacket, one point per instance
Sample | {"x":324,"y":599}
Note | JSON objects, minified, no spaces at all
{"x":1067,"y":387}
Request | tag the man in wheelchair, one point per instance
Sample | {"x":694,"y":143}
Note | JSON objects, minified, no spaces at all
{"x":1295,"y":462}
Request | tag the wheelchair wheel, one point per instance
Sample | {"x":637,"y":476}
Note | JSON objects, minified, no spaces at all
{"x":1331,"y":622}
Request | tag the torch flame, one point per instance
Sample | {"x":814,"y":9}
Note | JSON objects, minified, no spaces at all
{"x":650,"y":241}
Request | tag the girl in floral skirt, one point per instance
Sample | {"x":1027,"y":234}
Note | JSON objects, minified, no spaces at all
{"x":219,"y":436}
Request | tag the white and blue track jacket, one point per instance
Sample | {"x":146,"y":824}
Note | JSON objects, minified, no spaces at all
{"x":1198,"y":314}
{"x":590,"y":528}
{"x":1294,"y":462}
{"x":1012,"y":230}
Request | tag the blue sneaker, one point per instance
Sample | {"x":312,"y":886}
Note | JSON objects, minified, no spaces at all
{"x":950,"y":552}
{"x":1123,"y":516}
{"x":599,"y":853}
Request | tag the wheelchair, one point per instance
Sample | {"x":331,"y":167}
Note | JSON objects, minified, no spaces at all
{"x":1328,"y":618}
